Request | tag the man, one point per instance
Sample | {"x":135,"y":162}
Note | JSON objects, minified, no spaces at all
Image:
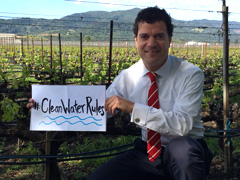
{"x":175,"y":115}
{"x":163,"y":94}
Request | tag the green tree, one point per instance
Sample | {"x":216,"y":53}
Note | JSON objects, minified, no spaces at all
{"x":236,"y":40}
{"x":87,"y":38}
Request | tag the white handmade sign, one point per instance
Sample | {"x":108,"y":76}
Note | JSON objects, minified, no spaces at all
{"x":68,"y":108}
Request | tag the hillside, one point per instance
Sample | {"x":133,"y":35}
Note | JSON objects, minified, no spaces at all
{"x":97,"y":25}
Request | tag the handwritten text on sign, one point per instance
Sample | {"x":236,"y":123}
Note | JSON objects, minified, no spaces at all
{"x":68,"y":108}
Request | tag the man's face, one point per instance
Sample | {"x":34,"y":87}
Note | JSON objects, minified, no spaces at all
{"x":153,"y":43}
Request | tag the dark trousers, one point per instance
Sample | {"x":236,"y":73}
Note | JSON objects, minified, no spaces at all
{"x":184,"y":158}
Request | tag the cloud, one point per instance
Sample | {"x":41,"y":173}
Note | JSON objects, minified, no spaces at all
{"x":77,"y":1}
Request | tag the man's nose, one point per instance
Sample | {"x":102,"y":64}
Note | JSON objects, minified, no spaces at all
{"x":151,"y":42}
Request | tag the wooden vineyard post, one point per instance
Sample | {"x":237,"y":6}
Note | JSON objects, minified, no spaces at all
{"x":42,"y":47}
{"x":9,"y":44}
{"x":27,"y":45}
{"x":205,"y":54}
{"x":215,"y":44}
{"x":226,"y":121}
{"x":201,"y":49}
{"x":14,"y":54}
{"x":48,"y":134}
{"x":60,"y":57}
{"x":32,"y":48}
{"x":183,"y":46}
{"x":51,"y":57}
{"x":110,"y":52}
{"x":127,"y":46}
{"x":47,"y":152}
{"x":81,"y":55}
{"x":22,"y":47}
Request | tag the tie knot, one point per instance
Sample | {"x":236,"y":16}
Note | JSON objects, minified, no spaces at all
{"x":152,"y":76}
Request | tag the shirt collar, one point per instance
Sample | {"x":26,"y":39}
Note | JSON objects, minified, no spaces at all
{"x":164,"y":71}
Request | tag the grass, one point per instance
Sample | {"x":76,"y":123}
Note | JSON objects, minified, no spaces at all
{"x":213,"y":145}
{"x":80,"y":169}
{"x":95,"y":143}
{"x":77,"y":169}
{"x":236,"y":147}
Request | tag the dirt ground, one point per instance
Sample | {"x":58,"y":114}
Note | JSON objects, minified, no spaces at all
{"x":216,"y":171}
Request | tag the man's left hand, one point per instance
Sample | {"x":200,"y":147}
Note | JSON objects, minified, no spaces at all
{"x":118,"y":103}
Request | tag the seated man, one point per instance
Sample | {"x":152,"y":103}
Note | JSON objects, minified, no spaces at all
{"x":163,"y":94}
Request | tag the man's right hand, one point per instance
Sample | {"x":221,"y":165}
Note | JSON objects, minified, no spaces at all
{"x":30,"y":103}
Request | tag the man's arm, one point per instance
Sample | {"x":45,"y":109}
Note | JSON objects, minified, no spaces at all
{"x":185,"y":113}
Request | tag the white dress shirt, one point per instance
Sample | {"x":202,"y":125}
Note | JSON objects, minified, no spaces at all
{"x":180,"y":89}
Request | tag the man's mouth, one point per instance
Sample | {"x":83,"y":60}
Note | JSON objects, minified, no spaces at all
{"x":152,"y":52}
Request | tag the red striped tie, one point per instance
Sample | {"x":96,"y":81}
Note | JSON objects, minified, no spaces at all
{"x":154,"y":140}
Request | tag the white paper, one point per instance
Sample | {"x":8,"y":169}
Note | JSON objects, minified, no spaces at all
{"x":68,"y":108}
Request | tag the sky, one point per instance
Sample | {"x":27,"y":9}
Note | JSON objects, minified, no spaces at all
{"x":178,"y":9}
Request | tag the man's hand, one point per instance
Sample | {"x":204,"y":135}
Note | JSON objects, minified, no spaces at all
{"x":30,"y":103}
{"x":118,"y":103}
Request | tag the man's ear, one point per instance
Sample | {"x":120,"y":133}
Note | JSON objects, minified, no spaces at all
{"x":135,"y":38}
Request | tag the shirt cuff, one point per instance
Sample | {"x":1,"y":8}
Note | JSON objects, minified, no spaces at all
{"x":139,"y":114}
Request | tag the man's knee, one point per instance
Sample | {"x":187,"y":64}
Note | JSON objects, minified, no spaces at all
{"x":183,"y":157}
{"x":182,"y":146}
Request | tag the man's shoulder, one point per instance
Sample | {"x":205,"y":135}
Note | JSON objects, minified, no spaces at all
{"x":136,"y":67}
{"x":183,"y":65}
{"x":182,"y":69}
{"x":132,"y":72}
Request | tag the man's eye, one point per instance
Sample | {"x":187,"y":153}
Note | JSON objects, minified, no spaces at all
{"x":143,"y":37}
{"x":159,"y":36}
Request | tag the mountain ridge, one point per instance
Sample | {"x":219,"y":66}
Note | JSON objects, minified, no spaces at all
{"x":96,"y":24}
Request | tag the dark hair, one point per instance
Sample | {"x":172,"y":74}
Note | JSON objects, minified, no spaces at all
{"x":151,"y":15}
